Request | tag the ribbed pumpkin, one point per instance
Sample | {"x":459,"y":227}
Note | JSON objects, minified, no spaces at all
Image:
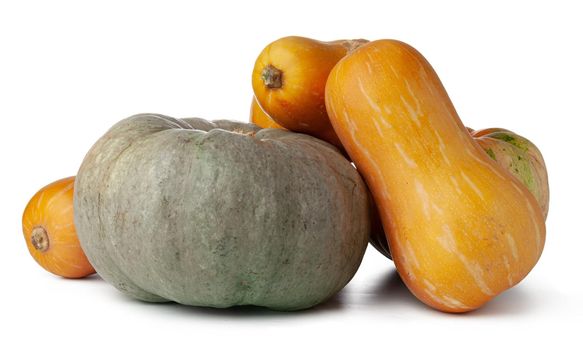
{"x":220,"y":214}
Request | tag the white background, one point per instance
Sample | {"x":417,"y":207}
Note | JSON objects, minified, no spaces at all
{"x":70,"y":69}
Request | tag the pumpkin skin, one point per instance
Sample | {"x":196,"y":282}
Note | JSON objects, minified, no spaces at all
{"x":512,"y":152}
{"x":49,"y":231}
{"x":461,"y":229}
{"x":220,"y":214}
{"x":260,"y":118}
{"x":289,"y":79}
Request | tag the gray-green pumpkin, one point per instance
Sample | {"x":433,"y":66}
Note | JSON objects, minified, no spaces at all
{"x":220,"y":214}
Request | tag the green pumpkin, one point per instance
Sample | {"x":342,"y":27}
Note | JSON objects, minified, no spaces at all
{"x":220,"y":214}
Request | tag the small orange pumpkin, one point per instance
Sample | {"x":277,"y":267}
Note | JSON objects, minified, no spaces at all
{"x":49,"y":231}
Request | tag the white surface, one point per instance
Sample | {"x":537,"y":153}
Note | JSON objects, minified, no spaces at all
{"x":68,"y":71}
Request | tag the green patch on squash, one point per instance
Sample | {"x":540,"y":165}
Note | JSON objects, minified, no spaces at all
{"x":491,"y":153}
{"x":511,"y":139}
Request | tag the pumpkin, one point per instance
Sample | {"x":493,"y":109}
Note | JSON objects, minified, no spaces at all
{"x":461,"y":229}
{"x":49,"y":231}
{"x":220,"y":214}
{"x":260,"y":118}
{"x":289,"y":78}
{"x":512,"y":152}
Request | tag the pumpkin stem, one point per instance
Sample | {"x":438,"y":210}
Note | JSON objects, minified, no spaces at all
{"x":272,"y":77}
{"x":40,"y":239}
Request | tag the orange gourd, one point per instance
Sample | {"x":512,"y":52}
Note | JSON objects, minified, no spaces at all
{"x":289,"y":78}
{"x":514,"y":153}
{"x":49,"y":231}
{"x":260,"y":118}
{"x":461,"y":229}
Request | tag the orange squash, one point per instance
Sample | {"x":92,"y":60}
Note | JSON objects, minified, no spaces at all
{"x":461,"y":229}
{"x":49,"y":231}
{"x":512,"y":152}
{"x":289,"y":78}
{"x":260,"y":118}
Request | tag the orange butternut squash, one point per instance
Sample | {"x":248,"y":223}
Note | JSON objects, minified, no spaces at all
{"x":289,"y":78}
{"x":461,"y":229}
{"x":49,"y":231}
{"x":512,"y":152}
{"x":260,"y":118}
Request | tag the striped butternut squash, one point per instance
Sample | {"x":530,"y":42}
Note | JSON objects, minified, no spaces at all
{"x":461,"y":229}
